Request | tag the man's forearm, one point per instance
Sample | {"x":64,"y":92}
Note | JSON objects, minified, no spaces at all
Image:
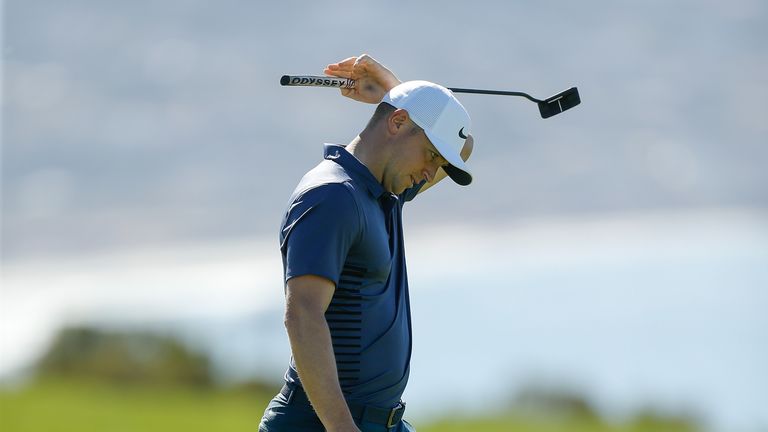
{"x":313,"y":353}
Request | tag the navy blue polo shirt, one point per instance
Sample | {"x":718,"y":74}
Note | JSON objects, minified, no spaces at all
{"x":342,"y":225}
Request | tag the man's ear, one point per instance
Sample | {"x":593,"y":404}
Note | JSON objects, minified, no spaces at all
{"x":397,"y":121}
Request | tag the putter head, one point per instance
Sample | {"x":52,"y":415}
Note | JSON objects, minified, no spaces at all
{"x":560,"y":102}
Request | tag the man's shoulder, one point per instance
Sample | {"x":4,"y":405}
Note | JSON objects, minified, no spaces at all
{"x":328,"y":197}
{"x":326,"y":172}
{"x":327,"y":184}
{"x":328,"y":179}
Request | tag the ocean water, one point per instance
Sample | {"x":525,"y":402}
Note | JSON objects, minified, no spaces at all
{"x":661,"y":310}
{"x":665,"y":311}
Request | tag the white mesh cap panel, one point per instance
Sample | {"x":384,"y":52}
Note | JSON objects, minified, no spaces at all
{"x":441,"y":115}
{"x":426,"y":111}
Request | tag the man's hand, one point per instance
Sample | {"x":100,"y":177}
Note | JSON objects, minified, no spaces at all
{"x":373,"y":80}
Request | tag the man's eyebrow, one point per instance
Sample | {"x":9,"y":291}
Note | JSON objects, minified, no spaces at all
{"x":434,"y":150}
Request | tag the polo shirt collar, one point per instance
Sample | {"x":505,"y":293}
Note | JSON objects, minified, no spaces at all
{"x":355,"y":169}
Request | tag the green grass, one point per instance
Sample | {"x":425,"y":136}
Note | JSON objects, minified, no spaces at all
{"x":84,"y":407}
{"x":511,"y":423}
{"x":73,"y":405}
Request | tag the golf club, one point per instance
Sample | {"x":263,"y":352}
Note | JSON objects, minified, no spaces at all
{"x":548,"y":107}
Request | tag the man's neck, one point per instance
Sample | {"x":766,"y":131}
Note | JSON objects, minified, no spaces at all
{"x":369,"y":153}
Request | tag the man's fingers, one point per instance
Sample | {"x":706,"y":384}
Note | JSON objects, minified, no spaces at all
{"x":365,"y":59}
{"x":342,"y":68}
{"x":337,"y":72}
{"x":355,"y":67}
{"x":372,"y":78}
{"x":346,"y":62}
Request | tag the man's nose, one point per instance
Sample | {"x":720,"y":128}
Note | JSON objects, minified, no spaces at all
{"x":430,"y":171}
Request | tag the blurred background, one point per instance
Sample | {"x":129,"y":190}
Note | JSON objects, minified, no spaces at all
{"x":607,"y":269}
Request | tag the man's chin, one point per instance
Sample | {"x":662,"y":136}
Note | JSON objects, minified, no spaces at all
{"x":403,"y":189}
{"x":399,"y":189}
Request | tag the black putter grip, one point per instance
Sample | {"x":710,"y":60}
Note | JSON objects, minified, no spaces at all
{"x":316,"y":81}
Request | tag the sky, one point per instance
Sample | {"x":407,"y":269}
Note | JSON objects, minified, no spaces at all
{"x":128,"y":124}
{"x":148,"y":152}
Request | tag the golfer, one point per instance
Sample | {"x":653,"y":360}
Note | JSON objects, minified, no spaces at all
{"x":347,"y":307}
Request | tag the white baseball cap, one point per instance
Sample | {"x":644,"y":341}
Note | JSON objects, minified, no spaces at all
{"x":444,"y":119}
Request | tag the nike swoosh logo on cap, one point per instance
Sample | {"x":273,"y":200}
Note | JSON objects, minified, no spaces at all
{"x":461,"y":134}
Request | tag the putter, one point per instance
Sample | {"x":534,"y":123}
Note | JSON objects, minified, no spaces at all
{"x":548,"y":107}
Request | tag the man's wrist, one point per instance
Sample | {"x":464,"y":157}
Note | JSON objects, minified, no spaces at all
{"x":390,"y":84}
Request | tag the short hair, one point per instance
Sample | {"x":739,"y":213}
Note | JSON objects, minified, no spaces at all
{"x":383,"y":111}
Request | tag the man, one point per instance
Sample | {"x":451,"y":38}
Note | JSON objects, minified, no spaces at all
{"x":347,"y":306}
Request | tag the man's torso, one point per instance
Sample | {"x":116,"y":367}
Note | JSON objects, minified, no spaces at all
{"x":341,"y":225}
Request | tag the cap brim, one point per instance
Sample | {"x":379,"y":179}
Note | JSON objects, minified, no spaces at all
{"x":461,"y":177}
{"x":457,"y":170}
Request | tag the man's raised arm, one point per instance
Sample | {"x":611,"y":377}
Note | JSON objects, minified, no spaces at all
{"x":373,"y":80}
